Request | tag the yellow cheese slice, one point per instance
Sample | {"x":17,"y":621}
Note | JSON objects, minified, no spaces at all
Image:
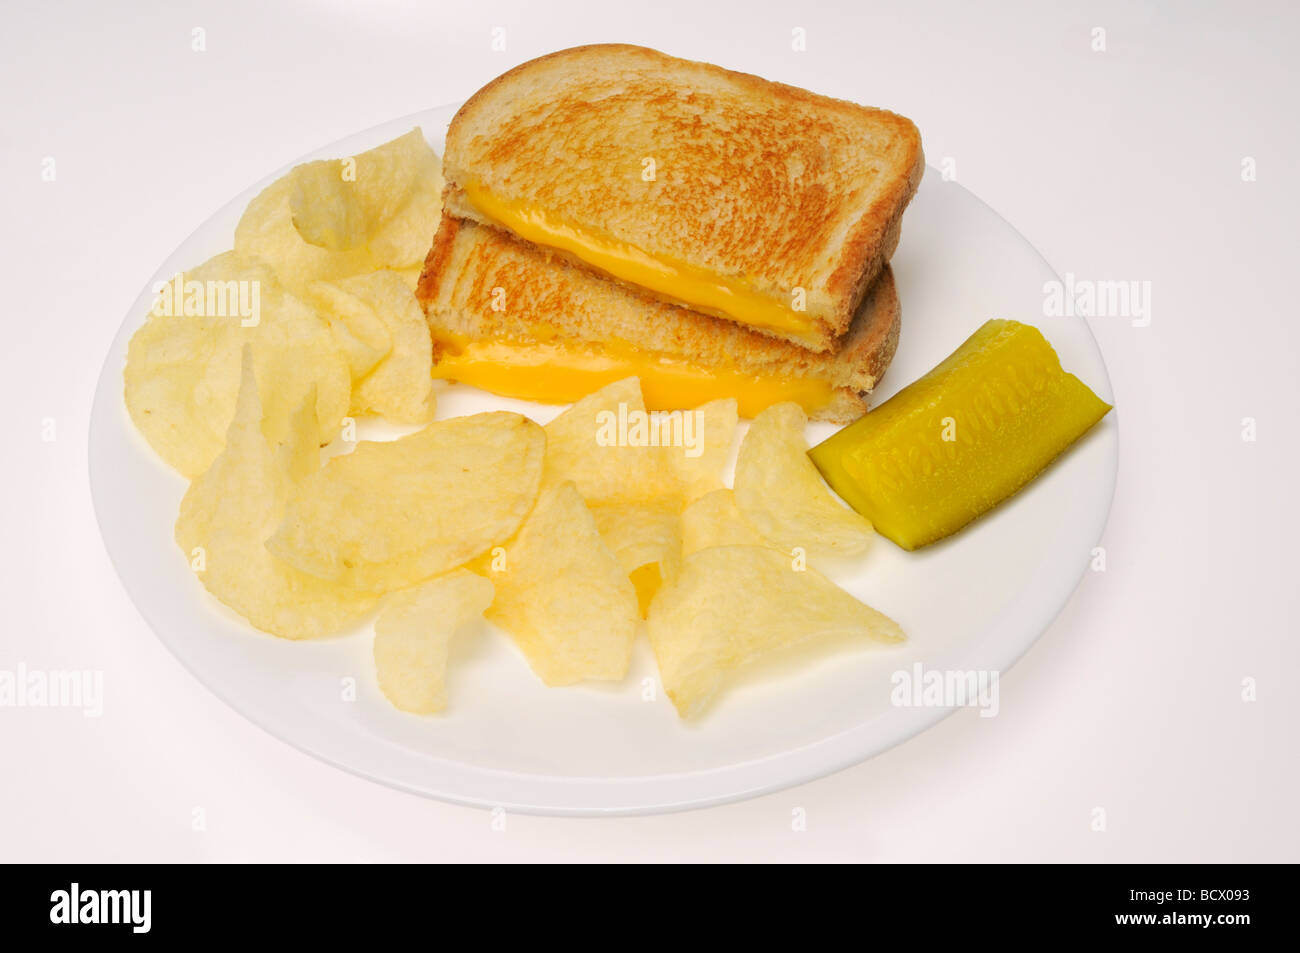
{"x":557,"y":374}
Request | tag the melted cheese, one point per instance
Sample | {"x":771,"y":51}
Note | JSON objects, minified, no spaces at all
{"x":692,"y":286}
{"x":556,"y":374}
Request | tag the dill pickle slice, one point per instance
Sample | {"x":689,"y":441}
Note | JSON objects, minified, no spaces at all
{"x":952,"y":445}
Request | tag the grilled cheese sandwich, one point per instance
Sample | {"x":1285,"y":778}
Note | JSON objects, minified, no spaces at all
{"x":676,"y":281}
{"x":513,"y":319}
{"x":741,"y":198}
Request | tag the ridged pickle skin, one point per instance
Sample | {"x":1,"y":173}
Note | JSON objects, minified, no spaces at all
{"x":1012,"y":411}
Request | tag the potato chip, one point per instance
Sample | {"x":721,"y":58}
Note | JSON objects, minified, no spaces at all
{"x":601,"y":443}
{"x":298,"y":453}
{"x":229,"y":511}
{"x":563,"y":596}
{"x":702,"y":456}
{"x":782,"y":495}
{"x":413,"y":632}
{"x":715,"y":520}
{"x":734,"y":605}
{"x":183,"y":365}
{"x":267,"y":231}
{"x":360,"y":333}
{"x":411,"y":276}
{"x":640,"y":533}
{"x":376,"y":308}
{"x":646,"y":538}
{"x":407,"y":225}
{"x":390,"y":514}
{"x":334,"y":218}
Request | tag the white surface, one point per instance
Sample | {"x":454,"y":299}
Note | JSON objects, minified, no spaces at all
{"x":974,"y":603}
{"x":1121,"y":164}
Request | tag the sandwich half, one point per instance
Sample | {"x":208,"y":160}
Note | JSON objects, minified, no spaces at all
{"x":516,"y":320}
{"x":738,"y":197}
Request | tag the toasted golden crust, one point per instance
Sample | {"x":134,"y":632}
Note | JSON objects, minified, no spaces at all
{"x":752,"y":180}
{"x":541,"y":297}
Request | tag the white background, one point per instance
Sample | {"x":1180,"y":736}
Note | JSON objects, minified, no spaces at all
{"x":1122,"y":164}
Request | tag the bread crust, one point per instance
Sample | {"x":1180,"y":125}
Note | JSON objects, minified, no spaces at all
{"x":811,"y":196}
{"x":435,"y":271}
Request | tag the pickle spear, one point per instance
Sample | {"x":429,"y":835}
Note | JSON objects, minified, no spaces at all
{"x":952,"y":445}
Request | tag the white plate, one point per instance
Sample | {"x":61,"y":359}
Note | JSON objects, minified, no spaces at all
{"x":974,"y":602}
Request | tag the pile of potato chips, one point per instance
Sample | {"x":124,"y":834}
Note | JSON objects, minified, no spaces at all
{"x":567,"y":537}
{"x":320,"y":285}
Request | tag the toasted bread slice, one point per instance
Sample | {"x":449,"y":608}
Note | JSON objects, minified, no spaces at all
{"x":514,"y":319}
{"x":747,"y":199}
